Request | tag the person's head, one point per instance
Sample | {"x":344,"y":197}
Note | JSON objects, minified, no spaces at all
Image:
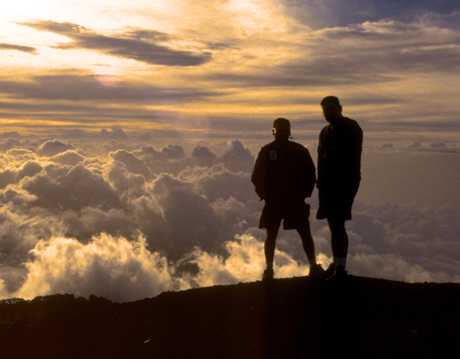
{"x":281,"y":129}
{"x":332,"y":109}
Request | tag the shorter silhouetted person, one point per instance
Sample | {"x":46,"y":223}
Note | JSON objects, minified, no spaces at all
{"x":339,"y":176}
{"x":284,"y":176}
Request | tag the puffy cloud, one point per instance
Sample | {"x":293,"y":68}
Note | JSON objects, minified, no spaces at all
{"x":244,"y":261}
{"x":91,"y":221}
{"x":53,"y":147}
{"x":76,"y":188}
{"x":203,"y":155}
{"x":173,"y":152}
{"x":219,"y":182}
{"x":124,"y":270}
{"x":68,"y":157}
{"x":132,"y":163}
{"x":21,"y":154}
{"x":113,"y":267}
{"x":29,"y":169}
{"x":12,"y":175}
{"x":189,"y":217}
{"x":128,"y":183}
{"x":189,"y":214}
{"x":7,"y":176}
{"x":237,"y":157}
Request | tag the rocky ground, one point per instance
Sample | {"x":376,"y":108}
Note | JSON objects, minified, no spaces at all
{"x":289,"y":318}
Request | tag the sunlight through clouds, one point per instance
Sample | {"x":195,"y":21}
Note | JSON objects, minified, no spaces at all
{"x":246,"y":60}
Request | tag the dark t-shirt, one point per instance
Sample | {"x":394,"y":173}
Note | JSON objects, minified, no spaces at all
{"x":284,"y":172}
{"x":339,"y":157}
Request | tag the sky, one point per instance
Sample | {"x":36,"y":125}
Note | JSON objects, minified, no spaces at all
{"x":211,"y":67}
{"x":128,"y":132}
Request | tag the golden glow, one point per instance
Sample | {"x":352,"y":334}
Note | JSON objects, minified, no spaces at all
{"x":29,"y":9}
{"x":246,"y":38}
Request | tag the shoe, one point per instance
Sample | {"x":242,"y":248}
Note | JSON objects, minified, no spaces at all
{"x":316,"y":271}
{"x":340,"y":274}
{"x":268,"y":274}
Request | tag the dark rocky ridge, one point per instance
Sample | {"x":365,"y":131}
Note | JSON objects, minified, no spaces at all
{"x":290,"y":318}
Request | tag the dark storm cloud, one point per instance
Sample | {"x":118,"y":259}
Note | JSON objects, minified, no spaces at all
{"x":338,"y":12}
{"x":140,"y":45}
{"x":77,"y":87}
{"x":28,"y":49}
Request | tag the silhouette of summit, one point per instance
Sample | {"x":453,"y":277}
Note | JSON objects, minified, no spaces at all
{"x":288,"y":318}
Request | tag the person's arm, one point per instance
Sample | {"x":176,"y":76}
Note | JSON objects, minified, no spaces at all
{"x":320,"y":156}
{"x":309,"y":173}
{"x":258,"y":177}
{"x":355,"y":156}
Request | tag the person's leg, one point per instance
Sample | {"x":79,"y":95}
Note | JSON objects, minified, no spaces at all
{"x":307,"y":242}
{"x":270,"y":241}
{"x":339,"y":241}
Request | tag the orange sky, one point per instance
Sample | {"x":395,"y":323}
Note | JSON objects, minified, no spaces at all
{"x":140,"y":63}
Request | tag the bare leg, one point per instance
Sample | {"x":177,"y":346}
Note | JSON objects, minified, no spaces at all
{"x":339,"y":238}
{"x":272,"y":233}
{"x":307,"y":242}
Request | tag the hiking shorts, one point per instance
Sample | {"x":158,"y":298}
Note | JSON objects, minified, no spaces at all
{"x":334,"y":205}
{"x":293,"y":215}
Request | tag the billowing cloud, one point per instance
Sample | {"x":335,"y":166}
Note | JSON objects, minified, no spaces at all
{"x":125,"y":270}
{"x":68,"y":157}
{"x":143,"y":45}
{"x":245,"y":262}
{"x":113,"y":267}
{"x":74,"y":188}
{"x":53,"y":147}
{"x":237,"y":157}
{"x":187,"y":213}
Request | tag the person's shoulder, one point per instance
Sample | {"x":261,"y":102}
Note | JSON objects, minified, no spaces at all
{"x":267,"y":147}
{"x":325,"y":129}
{"x":294,"y":144}
{"x":297,"y":147}
{"x":353,"y":126}
{"x":352,"y":123}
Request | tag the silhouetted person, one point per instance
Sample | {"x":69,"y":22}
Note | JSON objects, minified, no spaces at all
{"x":284,"y":175}
{"x":339,"y":175}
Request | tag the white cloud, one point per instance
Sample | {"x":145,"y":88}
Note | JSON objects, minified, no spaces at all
{"x":113,"y":267}
{"x":244,"y":261}
{"x":189,"y":215}
{"x":68,"y":157}
{"x":123,"y":270}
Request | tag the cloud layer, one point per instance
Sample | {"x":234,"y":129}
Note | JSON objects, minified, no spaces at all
{"x":133,"y":221}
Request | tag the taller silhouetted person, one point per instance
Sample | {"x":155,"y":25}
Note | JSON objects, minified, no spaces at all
{"x":284,"y":176}
{"x":339,"y":176}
